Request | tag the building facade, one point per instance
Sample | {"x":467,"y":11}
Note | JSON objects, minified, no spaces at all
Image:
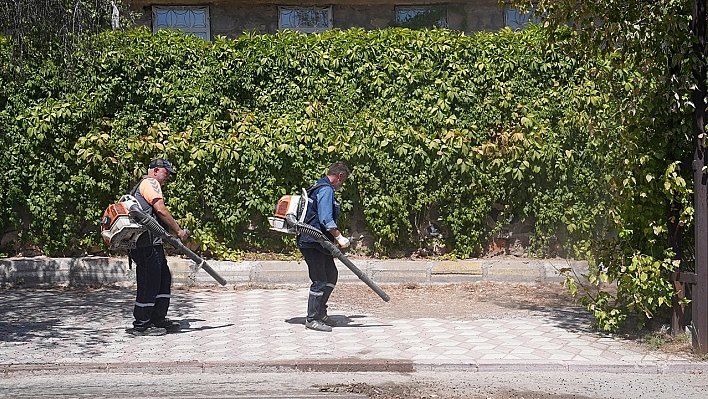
{"x":231,"y":18}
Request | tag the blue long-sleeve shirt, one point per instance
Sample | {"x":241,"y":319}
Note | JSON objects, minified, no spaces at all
{"x":322,"y":213}
{"x":325,"y":211}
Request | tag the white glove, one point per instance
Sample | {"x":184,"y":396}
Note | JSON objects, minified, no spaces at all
{"x":342,"y":241}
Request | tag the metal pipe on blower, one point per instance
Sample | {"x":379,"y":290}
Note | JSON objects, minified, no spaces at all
{"x":152,"y":226}
{"x":303,"y":228}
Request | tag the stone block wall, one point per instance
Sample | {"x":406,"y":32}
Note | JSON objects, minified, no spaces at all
{"x":232,"y":18}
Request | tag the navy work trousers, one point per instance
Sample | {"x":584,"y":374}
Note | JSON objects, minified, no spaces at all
{"x":323,"y":274}
{"x":154,"y":281}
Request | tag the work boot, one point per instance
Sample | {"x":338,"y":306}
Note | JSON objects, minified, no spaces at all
{"x":328,"y":321}
{"x":313,"y":305}
{"x":317,"y":325}
{"x":169,"y":325}
{"x":149,"y":330}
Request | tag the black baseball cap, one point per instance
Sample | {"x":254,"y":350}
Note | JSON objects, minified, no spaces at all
{"x":162,"y":163}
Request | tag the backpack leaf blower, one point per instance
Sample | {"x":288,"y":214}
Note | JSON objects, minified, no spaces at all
{"x":289,"y":219}
{"x":123,"y":222}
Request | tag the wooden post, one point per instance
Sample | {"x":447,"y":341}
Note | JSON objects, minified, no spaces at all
{"x":678,"y":313}
{"x":678,"y":316}
{"x":700,"y":199}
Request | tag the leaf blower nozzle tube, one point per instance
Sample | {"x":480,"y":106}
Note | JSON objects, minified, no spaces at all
{"x":302,"y":228}
{"x":152,"y":226}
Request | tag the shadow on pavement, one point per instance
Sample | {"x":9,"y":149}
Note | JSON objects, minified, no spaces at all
{"x":84,"y":318}
{"x":568,"y":316}
{"x":187,"y":329}
{"x":186,"y":326}
{"x":341,"y":320}
{"x":53,"y":318}
{"x":576,"y":320}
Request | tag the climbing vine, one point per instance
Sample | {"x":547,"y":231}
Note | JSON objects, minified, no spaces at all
{"x":475,"y":130}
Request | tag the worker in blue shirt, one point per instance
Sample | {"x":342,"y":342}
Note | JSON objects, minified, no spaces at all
{"x":322,"y":212}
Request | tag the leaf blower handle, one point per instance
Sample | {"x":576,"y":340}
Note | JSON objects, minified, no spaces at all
{"x":151,"y":225}
{"x":303,"y":228}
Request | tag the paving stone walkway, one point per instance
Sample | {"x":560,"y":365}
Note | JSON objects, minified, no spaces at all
{"x":77,"y":329}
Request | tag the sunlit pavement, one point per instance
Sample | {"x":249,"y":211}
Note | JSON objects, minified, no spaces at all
{"x":47,"y":331}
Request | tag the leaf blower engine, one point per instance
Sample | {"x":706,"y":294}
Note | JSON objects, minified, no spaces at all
{"x":295,"y":205}
{"x":118,"y":230}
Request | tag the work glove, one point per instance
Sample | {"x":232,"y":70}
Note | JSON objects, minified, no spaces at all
{"x":342,"y":241}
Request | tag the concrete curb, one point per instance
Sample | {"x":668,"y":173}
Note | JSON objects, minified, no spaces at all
{"x":43,"y":271}
{"x":353,"y":365}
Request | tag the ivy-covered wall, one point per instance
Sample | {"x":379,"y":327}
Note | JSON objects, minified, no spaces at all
{"x":469,"y":132}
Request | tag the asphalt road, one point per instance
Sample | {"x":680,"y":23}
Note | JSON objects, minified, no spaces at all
{"x":418,"y":385}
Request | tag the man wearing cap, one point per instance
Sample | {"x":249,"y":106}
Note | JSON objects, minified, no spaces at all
{"x":152,"y":273}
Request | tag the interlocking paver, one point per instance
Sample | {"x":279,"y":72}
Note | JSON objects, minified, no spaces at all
{"x":266,"y":326}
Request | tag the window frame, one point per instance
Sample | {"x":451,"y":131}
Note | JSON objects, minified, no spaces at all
{"x":421,"y":9}
{"x":328,"y":9}
{"x":526,"y":18}
{"x":191,"y":30}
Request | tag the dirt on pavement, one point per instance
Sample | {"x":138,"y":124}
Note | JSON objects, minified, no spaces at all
{"x":432,"y":390}
{"x":462,"y":301}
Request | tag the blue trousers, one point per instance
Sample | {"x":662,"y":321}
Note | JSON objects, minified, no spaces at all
{"x":154,"y":281}
{"x":323,"y":274}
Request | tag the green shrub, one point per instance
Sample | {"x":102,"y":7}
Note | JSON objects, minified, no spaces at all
{"x":429,"y":120}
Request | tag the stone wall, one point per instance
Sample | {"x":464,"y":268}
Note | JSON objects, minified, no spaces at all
{"x":232,"y":18}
